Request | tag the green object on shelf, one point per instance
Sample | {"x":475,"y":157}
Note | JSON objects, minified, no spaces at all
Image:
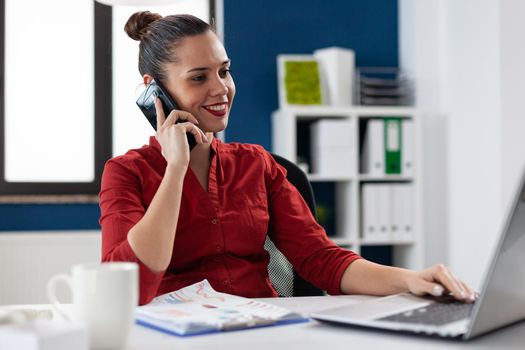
{"x":324,"y":215}
{"x":302,"y":82}
{"x":393,"y":142}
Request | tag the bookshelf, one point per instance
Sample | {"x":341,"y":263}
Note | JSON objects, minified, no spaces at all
{"x":292,"y":139}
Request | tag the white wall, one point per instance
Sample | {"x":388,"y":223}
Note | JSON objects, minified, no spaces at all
{"x":29,"y":259}
{"x":512,"y":34}
{"x":421,"y":55}
{"x":472,"y":103}
{"x":467,"y":63}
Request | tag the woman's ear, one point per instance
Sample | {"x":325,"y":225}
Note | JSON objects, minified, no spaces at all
{"x":147,"y":79}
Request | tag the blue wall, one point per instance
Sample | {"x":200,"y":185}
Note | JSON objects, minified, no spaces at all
{"x":255,"y":32}
{"x":28,"y":217}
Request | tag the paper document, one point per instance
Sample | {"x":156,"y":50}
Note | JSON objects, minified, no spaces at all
{"x":199,"y":309}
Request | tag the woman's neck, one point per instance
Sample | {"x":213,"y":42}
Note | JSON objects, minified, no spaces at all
{"x":200,"y":160}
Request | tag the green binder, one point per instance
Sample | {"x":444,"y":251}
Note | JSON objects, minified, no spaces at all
{"x":393,"y":144}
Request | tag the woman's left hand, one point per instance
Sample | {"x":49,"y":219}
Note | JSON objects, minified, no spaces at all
{"x":438,"y":280}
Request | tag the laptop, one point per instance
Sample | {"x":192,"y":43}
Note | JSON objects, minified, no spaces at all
{"x":501,"y":301}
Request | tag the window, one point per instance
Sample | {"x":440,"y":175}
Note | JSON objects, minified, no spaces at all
{"x":70,"y":80}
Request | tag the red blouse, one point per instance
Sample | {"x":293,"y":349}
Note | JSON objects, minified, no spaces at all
{"x":221,"y":231}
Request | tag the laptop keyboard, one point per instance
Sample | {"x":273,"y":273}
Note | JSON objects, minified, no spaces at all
{"x":436,"y":314}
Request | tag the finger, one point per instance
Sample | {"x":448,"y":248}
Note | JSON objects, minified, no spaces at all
{"x":161,"y":118}
{"x":463,"y":292}
{"x":444,"y":277}
{"x":199,"y":135}
{"x":425,"y":287}
{"x":471,"y":293}
{"x":182,"y":116}
{"x":177,"y":117}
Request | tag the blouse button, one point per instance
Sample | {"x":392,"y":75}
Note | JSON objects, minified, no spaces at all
{"x":214,"y":221}
{"x":218,"y":248}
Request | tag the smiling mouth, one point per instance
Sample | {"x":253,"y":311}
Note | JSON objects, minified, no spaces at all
{"x":217,"y":110}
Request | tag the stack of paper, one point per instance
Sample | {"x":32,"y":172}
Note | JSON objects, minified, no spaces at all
{"x":199,"y":309}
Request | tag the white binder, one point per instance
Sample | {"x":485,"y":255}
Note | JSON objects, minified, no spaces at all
{"x":384,"y":215}
{"x":397,"y":210}
{"x":368,"y":210}
{"x":373,"y":156}
{"x":408,"y":212}
{"x":376,"y":213}
{"x":407,"y":150}
{"x":402,"y":212}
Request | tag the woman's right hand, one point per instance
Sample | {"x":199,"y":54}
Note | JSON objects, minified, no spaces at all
{"x":172,"y":137}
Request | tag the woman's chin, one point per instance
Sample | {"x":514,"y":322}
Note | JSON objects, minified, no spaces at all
{"x":218,"y":127}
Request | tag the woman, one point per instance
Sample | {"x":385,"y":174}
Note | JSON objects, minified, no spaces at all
{"x":184,"y":216}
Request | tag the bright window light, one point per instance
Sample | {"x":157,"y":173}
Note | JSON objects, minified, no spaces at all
{"x":49,"y":122}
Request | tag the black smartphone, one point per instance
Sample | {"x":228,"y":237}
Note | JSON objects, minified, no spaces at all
{"x":146,"y":103}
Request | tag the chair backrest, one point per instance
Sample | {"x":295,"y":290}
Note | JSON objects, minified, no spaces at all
{"x":282,"y":274}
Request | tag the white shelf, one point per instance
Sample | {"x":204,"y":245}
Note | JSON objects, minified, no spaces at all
{"x":363,"y":111}
{"x":365,"y":242}
{"x":348,"y":220}
{"x":364,"y":177}
{"x":331,"y":178}
{"x":343,"y":242}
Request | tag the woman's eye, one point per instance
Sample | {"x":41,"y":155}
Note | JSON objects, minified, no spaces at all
{"x":225,"y":72}
{"x":198,"y":78}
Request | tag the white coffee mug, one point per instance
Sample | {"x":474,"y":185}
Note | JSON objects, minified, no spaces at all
{"x":104,"y":298}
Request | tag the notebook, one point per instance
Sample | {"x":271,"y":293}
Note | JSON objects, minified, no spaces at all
{"x":501,"y":301}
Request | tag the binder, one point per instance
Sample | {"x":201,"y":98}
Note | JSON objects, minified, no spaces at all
{"x":376,"y":224}
{"x":383,"y":212}
{"x":368,"y":206}
{"x":397,"y":210}
{"x":407,"y":148}
{"x":407,"y":228}
{"x":402,"y":212}
{"x":373,"y":158}
{"x":392,"y":134}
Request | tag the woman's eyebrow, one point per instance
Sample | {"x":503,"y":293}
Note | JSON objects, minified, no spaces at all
{"x":199,"y":69}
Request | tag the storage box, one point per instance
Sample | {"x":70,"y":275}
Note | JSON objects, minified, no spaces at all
{"x":337,"y":69}
{"x":332,"y":147}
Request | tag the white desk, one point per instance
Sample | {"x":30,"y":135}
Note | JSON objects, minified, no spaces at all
{"x":314,"y":335}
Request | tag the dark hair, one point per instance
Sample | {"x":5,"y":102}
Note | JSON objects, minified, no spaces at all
{"x":159,"y":36}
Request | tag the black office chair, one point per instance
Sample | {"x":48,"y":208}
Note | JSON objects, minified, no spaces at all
{"x":285,"y":280}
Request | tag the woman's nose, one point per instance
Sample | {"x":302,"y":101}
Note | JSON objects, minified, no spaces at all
{"x":219,"y":87}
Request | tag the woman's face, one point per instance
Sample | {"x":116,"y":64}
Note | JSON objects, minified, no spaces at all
{"x":200,"y":81}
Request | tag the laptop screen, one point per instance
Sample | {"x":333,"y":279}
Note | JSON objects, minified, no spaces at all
{"x":502,"y":298}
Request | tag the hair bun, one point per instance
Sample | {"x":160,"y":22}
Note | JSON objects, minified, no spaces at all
{"x":137,"y":25}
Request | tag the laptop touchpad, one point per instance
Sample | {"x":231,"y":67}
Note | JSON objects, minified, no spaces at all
{"x":372,"y":309}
